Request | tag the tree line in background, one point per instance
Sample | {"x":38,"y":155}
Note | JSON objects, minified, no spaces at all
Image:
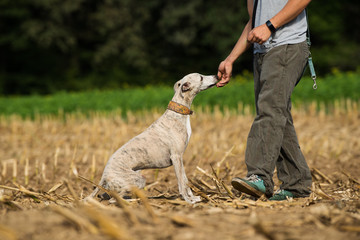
{"x":69,"y":45}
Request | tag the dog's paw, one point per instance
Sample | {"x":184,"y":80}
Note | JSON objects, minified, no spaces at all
{"x":193,"y":199}
{"x":87,"y":199}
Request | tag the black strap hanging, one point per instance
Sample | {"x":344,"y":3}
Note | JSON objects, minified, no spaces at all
{"x":254,"y":14}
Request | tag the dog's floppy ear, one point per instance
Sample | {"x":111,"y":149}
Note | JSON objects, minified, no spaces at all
{"x":186,"y":87}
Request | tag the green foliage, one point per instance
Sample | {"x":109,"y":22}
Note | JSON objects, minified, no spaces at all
{"x":238,"y":91}
{"x":335,"y":35}
{"x":75,"y":45}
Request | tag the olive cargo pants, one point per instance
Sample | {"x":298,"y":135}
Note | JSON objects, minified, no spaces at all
{"x":272,"y":139}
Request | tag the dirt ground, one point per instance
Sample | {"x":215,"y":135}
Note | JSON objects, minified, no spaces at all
{"x":40,"y":189}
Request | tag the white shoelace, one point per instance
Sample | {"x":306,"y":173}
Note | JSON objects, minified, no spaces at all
{"x":279,"y":191}
{"x":253,"y":178}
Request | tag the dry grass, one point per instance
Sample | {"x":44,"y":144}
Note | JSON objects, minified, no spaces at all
{"x":40,"y":162}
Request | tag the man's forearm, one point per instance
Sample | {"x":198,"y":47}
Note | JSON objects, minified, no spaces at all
{"x":241,"y":45}
{"x":290,"y":11}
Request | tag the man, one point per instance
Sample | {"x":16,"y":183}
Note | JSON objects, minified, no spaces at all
{"x":280,"y":56}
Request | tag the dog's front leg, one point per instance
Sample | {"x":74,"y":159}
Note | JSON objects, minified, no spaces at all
{"x":184,"y":189}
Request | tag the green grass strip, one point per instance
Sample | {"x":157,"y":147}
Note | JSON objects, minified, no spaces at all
{"x":238,"y":91}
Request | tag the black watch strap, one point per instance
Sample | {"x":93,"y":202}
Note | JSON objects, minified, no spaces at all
{"x":270,"y":26}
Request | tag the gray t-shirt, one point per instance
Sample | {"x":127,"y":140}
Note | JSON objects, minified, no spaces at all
{"x":290,"y":33}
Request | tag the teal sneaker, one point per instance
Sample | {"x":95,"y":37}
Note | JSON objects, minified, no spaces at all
{"x":252,"y":185}
{"x":281,"y":195}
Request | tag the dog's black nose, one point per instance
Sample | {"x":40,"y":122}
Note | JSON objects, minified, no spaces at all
{"x":216,"y":77}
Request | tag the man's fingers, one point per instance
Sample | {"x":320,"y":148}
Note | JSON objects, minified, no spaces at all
{"x":219,"y":75}
{"x":224,"y":73}
{"x":220,"y":84}
{"x":259,"y":34}
{"x":255,"y":39}
{"x":251,"y":37}
{"x":223,"y":81}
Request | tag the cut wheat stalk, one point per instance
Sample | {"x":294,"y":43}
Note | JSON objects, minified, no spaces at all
{"x":72,"y":191}
{"x":79,"y":221}
{"x":196,"y":185}
{"x":55,"y":187}
{"x":182,"y":221}
{"x":107,"y":225}
{"x":26,"y":171}
{"x":74,"y":170}
{"x":230,"y":194}
{"x":93,"y":168}
{"x":218,"y":165}
{"x":56,"y":155}
{"x":317,"y":190}
{"x":119,"y":200}
{"x":131,"y":216}
{"x":43,"y":172}
{"x":111,"y":193}
{"x":72,"y":163}
{"x":326,"y":178}
{"x":350,"y":177}
{"x":28,"y":192}
{"x":37,"y":170}
{"x":206,"y":184}
{"x":156,"y":174}
{"x":217,"y":183}
{"x":140,"y":194}
{"x":14,"y":175}
{"x":350,"y":228}
{"x":4,"y":170}
{"x":149,"y":186}
{"x":204,"y":172}
{"x":199,"y":191}
{"x":96,"y":204}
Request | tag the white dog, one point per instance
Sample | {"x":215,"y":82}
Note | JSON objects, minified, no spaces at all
{"x":159,"y":146}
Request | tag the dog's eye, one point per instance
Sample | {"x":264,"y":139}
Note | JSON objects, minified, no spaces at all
{"x":179,"y":84}
{"x":201,"y":78}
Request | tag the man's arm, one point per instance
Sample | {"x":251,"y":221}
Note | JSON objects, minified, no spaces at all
{"x":290,"y":11}
{"x":225,"y":67}
{"x":259,"y":35}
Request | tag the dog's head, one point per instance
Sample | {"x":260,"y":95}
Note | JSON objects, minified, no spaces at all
{"x":193,"y":83}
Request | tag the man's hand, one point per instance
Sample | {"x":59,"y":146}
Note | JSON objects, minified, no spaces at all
{"x":224,"y":73}
{"x":259,"y":34}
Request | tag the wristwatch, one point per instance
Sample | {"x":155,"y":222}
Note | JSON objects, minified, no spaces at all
{"x":270,"y":26}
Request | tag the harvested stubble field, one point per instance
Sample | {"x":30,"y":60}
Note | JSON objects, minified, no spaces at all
{"x":41,"y":160}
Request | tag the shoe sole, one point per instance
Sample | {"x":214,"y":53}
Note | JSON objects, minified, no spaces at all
{"x":243,"y":187}
{"x":282,"y":199}
{"x":273,"y":199}
{"x":277,"y":197}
